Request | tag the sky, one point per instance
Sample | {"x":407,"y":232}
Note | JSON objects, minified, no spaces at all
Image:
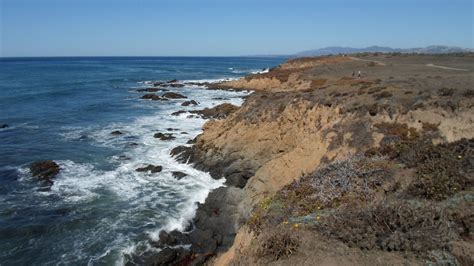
{"x":226,"y":27}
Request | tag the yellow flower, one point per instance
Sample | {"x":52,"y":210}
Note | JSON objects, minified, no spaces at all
{"x":319,"y":208}
{"x":285,"y":222}
{"x":296,"y":225}
{"x":317,"y":217}
{"x":459,"y":157}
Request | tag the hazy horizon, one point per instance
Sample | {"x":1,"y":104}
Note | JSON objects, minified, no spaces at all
{"x":54,"y":28}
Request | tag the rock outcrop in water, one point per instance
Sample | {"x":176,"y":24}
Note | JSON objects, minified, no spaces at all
{"x":164,"y":136}
{"x":153,"y":97}
{"x":3,"y":125}
{"x":188,"y":103}
{"x":173,"y":95}
{"x":325,"y":167}
{"x":150,"y":168}
{"x":45,"y":170}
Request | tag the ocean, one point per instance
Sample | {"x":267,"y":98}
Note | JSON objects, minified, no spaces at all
{"x":100,"y":211}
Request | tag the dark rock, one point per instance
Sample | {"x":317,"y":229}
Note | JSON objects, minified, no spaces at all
{"x":164,"y":136}
{"x":153,"y":97}
{"x":188,"y":103}
{"x":172,"y":129}
{"x":176,"y":85}
{"x":183,"y":154}
{"x":184,"y":133}
{"x":191,"y":141}
{"x":217,"y":112}
{"x":3,"y":125}
{"x":151,"y":90}
{"x":173,"y":95}
{"x":116,"y":133}
{"x":165,"y":256}
{"x":172,"y":81}
{"x":202,"y":241}
{"x":150,"y":168}
{"x":179,"y":175}
{"x":159,"y":83}
{"x":179,"y":112}
{"x":45,"y":170}
{"x":172,"y":238}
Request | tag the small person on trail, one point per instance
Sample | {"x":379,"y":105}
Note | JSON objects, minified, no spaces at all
{"x":358,"y":74}
{"x":353,"y":73}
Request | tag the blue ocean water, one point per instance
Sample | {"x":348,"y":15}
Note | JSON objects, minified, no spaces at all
{"x":99,"y":209}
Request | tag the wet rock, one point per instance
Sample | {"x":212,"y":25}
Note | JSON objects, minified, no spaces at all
{"x":188,"y":103}
{"x":150,"y":168}
{"x":172,"y":238}
{"x":164,"y":136}
{"x":179,"y":175}
{"x":173,"y":95}
{"x":3,"y":125}
{"x":165,"y":257}
{"x":116,"y":133}
{"x":191,"y":141}
{"x":184,"y":133}
{"x":179,"y":112}
{"x":172,"y":81}
{"x":183,"y":154}
{"x":172,"y":129}
{"x":217,"y":112}
{"x":45,"y":170}
{"x":151,"y":90}
{"x":175,"y":85}
{"x":153,"y":97}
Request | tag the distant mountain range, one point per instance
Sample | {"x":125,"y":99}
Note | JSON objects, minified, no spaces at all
{"x":434,"y":49}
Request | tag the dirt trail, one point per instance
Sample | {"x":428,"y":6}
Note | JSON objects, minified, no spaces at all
{"x":447,"y":68}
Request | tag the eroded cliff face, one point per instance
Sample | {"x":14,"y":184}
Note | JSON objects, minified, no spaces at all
{"x":309,"y":113}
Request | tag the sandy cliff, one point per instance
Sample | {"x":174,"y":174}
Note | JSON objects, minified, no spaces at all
{"x":315,"y":154}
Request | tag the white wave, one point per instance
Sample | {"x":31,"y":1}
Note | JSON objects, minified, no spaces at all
{"x":172,"y":202}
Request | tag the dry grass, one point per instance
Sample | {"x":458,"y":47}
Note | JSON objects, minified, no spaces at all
{"x":279,"y":243}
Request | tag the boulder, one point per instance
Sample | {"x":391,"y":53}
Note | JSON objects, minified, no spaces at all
{"x":164,"y":136}
{"x":173,"y":95}
{"x":188,"y":103}
{"x":45,"y":170}
{"x":150,"y":168}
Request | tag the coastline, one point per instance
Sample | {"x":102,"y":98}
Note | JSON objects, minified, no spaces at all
{"x":307,"y":113}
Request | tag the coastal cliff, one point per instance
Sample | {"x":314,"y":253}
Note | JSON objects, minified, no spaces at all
{"x":325,"y":165}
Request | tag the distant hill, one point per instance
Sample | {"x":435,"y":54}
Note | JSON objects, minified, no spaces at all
{"x":434,"y":49}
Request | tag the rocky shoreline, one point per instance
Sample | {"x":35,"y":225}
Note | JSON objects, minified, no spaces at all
{"x":311,"y":113}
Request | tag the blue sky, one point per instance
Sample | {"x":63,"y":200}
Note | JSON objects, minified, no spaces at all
{"x":226,"y":27}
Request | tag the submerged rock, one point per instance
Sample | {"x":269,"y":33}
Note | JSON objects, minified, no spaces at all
{"x":179,"y":175}
{"x":151,"y":90}
{"x":164,"y":136}
{"x":116,"y":133}
{"x":188,"y":103}
{"x":3,"y":125}
{"x":173,"y":95}
{"x":45,"y":170}
{"x":150,"y":168}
